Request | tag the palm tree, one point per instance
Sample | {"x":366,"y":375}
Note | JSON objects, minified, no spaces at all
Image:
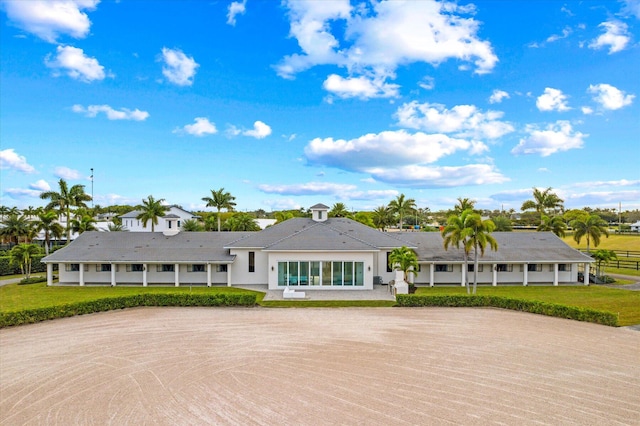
{"x":456,"y":233}
{"x":503,"y":223}
{"x":65,"y":199}
{"x":116,"y":227}
{"x":601,"y":257}
{"x":23,"y":254}
{"x":83,"y":224}
{"x":4,"y":211}
{"x":339,"y":210}
{"x":402,"y":206}
{"x":553,"y":224}
{"x":151,"y":210}
{"x":220,"y":200}
{"x":592,"y":227}
{"x":47,"y":222}
{"x":30,"y":211}
{"x":364,"y":218}
{"x":479,"y":235}
{"x":463,"y":204}
{"x":241,"y":222}
{"x":15,"y":227}
{"x":543,"y":202}
{"x":192,"y":225}
{"x":382,"y":217}
{"x":405,"y":260}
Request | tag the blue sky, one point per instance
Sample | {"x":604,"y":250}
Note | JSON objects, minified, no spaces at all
{"x":287,"y":104}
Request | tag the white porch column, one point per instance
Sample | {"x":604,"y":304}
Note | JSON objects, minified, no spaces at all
{"x":432,"y":268}
{"x":495,"y":274}
{"x":586,"y":274}
{"x":176,"y":272}
{"x":81,"y":273}
{"x":144,"y":274}
{"x":525,"y":274}
{"x":464,"y":274}
{"x":50,"y":273}
{"x":228,"y":275}
{"x":113,"y":275}
{"x":208,"y":275}
{"x":555,"y":274}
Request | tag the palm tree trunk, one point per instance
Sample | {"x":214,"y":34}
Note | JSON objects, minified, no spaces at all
{"x":466,"y":272}
{"x":218,"y":219}
{"x":475,"y":269}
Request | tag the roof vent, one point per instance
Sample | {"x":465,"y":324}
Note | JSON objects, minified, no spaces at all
{"x":170,"y":232}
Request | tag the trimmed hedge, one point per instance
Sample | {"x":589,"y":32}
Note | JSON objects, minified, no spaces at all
{"x":6,"y":268}
{"x":532,"y":306}
{"x":30,"y":316}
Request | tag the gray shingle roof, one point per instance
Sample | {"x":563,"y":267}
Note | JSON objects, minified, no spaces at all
{"x":332,"y":234}
{"x":513,"y":247}
{"x":104,"y":247}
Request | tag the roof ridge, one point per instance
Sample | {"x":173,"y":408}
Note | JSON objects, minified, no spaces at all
{"x":292,"y":235}
{"x":352,"y":236}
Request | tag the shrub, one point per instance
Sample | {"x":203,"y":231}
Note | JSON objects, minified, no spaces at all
{"x":532,"y":306}
{"x":32,"y":280}
{"x":30,"y":316}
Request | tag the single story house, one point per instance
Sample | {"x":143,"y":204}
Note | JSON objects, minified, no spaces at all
{"x":311,"y":253}
{"x":635,"y":227}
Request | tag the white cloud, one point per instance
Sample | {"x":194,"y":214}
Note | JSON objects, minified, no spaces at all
{"x":555,"y":37}
{"x":72,"y":61}
{"x":439,"y":177}
{"x":552,"y":100}
{"x":360,"y":87}
{"x":380,"y":37}
{"x":11,"y":160}
{"x":112,"y":114}
{"x":607,"y":183}
{"x":631,"y":7}
{"x":586,"y":110}
{"x":616,"y":36}
{"x":385,"y":149}
{"x":427,"y":83}
{"x":40,"y":185}
{"x":282,"y":204}
{"x":461,"y":120}
{"x":66,"y":173}
{"x":235,"y":8}
{"x":49,"y":19}
{"x":603,"y":198}
{"x":260,"y":130}
{"x":557,"y":137}
{"x":497,"y":96}
{"x":201,"y":127}
{"x":610,"y":97}
{"x":178,"y":68}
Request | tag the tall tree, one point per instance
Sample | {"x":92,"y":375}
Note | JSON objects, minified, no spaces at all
{"x":603,"y":257}
{"x":455,"y":234}
{"x":242,"y":222}
{"x":65,"y":199}
{"x":463,"y":204}
{"x":382,"y":217}
{"x":192,"y":225}
{"x":405,"y":260}
{"x":478,"y":232}
{"x":553,"y":224}
{"x":592,"y":227}
{"x":48,"y":223}
{"x":402,"y":206}
{"x":16,"y":227}
{"x":503,"y":223}
{"x":83,"y":223}
{"x":151,"y":210}
{"x":23,"y":254}
{"x":544,"y":202}
{"x":220,"y":200}
{"x":339,"y":210}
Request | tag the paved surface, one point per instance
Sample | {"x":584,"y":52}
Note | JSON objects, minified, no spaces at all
{"x":379,"y":292}
{"x":176,"y":366}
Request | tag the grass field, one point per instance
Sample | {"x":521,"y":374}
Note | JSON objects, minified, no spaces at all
{"x":614,"y":242}
{"x":624,"y":303}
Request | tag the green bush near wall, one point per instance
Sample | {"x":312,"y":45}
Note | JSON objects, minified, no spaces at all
{"x":532,"y":306}
{"x":30,"y":316}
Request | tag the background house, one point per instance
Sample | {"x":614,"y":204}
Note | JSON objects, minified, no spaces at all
{"x":173,"y":220}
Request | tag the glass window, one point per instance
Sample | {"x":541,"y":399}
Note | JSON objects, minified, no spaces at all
{"x":197,"y":268}
{"x":221,"y":268}
{"x":304,"y":273}
{"x":359,"y":275}
{"x":137,"y":267}
{"x":252,"y":261}
{"x":293,"y":273}
{"x":503,"y":267}
{"x":314,"y":276}
{"x":388,"y":266}
{"x":282,"y":273}
{"x":326,"y":273}
{"x":167,"y":267}
{"x":105,"y":267}
{"x":337,"y":273}
{"x":444,"y":268}
{"x":348,"y":273}
{"x":72,"y":267}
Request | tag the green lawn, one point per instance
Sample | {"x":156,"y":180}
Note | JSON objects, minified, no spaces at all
{"x":624,"y":303}
{"x":613,"y":242}
{"x":15,"y":297}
